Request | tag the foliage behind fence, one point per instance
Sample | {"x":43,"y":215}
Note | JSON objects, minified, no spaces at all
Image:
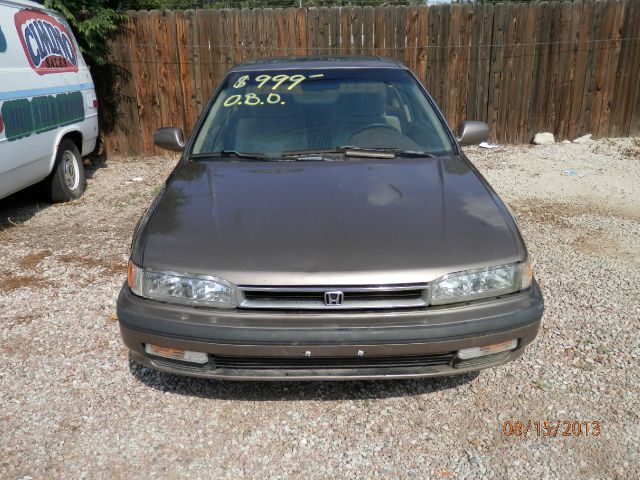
{"x":566,"y":67}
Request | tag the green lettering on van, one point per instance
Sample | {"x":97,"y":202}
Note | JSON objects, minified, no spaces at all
{"x":18,"y":121}
{"x":23,"y":117}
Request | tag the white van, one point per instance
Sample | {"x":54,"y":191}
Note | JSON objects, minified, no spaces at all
{"x":48,"y":104}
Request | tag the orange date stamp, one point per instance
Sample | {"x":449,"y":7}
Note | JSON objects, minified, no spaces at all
{"x":552,"y":428}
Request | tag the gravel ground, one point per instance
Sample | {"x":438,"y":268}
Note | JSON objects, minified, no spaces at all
{"x":73,"y":406}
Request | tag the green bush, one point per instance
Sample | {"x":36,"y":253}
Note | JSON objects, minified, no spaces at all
{"x":92,"y":22}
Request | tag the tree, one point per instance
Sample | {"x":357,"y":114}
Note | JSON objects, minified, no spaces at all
{"x":92,"y":22}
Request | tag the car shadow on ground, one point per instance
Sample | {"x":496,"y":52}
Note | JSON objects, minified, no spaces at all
{"x":294,"y":391}
{"x":21,"y":206}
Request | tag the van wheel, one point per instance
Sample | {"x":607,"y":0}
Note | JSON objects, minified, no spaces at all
{"x":67,"y":179}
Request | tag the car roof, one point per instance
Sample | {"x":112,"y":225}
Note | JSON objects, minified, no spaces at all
{"x":316,"y":62}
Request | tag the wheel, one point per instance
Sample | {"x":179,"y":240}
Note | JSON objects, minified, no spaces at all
{"x":66,"y":182}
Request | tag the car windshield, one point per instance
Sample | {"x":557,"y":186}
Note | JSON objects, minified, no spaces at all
{"x":288,"y":113}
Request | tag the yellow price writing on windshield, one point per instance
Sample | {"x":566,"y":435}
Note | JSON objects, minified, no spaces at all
{"x":252,"y":100}
{"x":275,"y":81}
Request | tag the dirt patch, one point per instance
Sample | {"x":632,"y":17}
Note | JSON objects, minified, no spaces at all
{"x":23,"y":319}
{"x":110,"y":266}
{"x":13,"y":282}
{"x":550,"y":213}
{"x":31,"y":260}
{"x":557,"y":214}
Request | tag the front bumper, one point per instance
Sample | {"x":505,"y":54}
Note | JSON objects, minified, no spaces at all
{"x":268,"y":345}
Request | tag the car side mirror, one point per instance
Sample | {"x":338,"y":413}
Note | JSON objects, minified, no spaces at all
{"x":169,"y":138}
{"x":472,"y":132}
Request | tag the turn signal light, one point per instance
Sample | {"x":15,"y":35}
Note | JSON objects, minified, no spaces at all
{"x":176,"y":354}
{"x":474,"y":352}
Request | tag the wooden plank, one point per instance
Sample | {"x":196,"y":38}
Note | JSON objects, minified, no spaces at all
{"x":443,"y":57}
{"x":334,"y":30}
{"x":588,"y":94}
{"x":464,"y":59}
{"x":247,"y":35}
{"x":629,"y":71}
{"x":281,"y":29}
{"x":569,"y":77}
{"x":483,"y":65}
{"x":301,"y":29}
{"x":204,"y":48}
{"x":495,"y":80}
{"x":367,"y":30}
{"x":401,"y":29}
{"x":271,"y":38}
{"x":169,"y":75}
{"x":147,"y":93}
{"x":421,"y":43}
{"x":634,"y":124}
{"x":472,"y":54}
{"x":538,"y":93}
{"x":433,"y":50}
{"x":131,"y":129}
{"x":559,"y":53}
{"x":527,"y":52}
{"x":545,"y":94}
{"x":389,"y":31}
{"x":508,"y":81}
{"x":453,"y":65}
{"x":193,"y":63}
{"x":290,"y":28}
{"x":323,"y":30}
{"x":226,"y":38}
{"x":634,"y":98}
{"x":356,"y":31}
{"x":411,"y":57}
{"x":581,"y":49}
{"x":603,"y":50}
{"x":378,"y":34}
{"x":256,"y":22}
{"x":546,"y":69}
{"x":260,"y":22}
{"x":516,"y":78}
{"x":186,"y":85}
{"x":312,"y":31}
{"x":345,"y":31}
{"x":157,"y":66}
{"x":216,"y":55}
{"x":611,"y":64}
{"x":238,"y":51}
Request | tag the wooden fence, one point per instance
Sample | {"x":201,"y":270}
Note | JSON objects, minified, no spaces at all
{"x":566,"y":67}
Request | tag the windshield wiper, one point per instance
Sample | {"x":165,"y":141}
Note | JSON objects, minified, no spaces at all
{"x":396,"y":152}
{"x":232,"y":153}
{"x":351,"y":151}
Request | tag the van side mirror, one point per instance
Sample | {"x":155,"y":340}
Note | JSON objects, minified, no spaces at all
{"x":472,"y":132}
{"x":169,"y":138}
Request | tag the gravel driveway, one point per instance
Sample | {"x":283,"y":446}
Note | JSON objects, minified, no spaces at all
{"x":73,"y":406}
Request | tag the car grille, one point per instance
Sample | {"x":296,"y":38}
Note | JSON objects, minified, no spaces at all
{"x":305,"y":363}
{"x":376,"y":297}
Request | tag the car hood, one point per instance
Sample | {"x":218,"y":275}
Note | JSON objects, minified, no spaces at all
{"x":350,"y":222}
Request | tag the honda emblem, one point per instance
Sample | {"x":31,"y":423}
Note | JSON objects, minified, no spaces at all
{"x":333,"y":298}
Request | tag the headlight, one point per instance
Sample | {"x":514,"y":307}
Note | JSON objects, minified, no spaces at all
{"x":181,"y":288}
{"x":476,"y":284}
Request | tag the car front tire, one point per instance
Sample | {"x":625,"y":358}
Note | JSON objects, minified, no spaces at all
{"x":67,"y":180}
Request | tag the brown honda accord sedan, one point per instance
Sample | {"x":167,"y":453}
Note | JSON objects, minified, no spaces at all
{"x":323,"y":223}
